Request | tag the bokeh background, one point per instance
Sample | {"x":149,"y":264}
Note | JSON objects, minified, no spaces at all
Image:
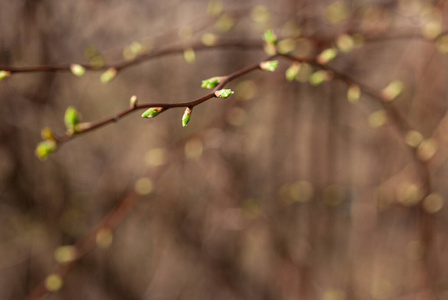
{"x":286,"y":190}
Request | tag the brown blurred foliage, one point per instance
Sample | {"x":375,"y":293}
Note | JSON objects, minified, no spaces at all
{"x":284,"y":191}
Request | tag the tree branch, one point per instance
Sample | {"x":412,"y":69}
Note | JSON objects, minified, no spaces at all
{"x":165,"y":106}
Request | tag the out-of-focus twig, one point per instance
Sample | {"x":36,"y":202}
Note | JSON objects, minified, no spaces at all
{"x":402,"y":126}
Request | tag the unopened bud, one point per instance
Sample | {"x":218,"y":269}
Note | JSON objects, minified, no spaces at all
{"x":45,"y":148}
{"x":71,"y":117}
{"x":47,"y":134}
{"x":270,"y":36}
{"x":77,"y":70}
{"x":212,"y":82}
{"x":224,"y":93}
{"x":4,"y":74}
{"x":186,"y":117}
{"x":133,"y":102}
{"x":270,"y":65}
{"x":152,"y":112}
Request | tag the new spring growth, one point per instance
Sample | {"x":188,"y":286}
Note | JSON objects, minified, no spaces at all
{"x":77,"y":70}
{"x":212,"y":82}
{"x":108,"y":75}
{"x":152,"y":112}
{"x":71,"y":118}
{"x":47,"y":134}
{"x":270,"y":65}
{"x":186,"y":117}
{"x":225,"y":93}
{"x":133,"y":102}
{"x":292,"y":71}
{"x":270,"y":36}
{"x":45,"y":148}
{"x":4,"y":74}
{"x":270,"y":47}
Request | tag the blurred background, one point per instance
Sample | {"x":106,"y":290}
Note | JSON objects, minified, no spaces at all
{"x":286,"y":190}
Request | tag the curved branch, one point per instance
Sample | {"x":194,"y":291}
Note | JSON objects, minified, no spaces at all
{"x":226,"y":79}
{"x":197,"y":46}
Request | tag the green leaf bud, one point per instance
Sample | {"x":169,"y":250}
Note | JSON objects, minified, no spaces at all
{"x":270,"y":36}
{"x":77,"y":70}
{"x":224,"y":93}
{"x":211,"y":82}
{"x":45,"y":148}
{"x":152,"y":112}
{"x":71,"y":117}
{"x":186,"y":117}
{"x":4,"y":74}
{"x":47,"y":133}
{"x":270,"y":65}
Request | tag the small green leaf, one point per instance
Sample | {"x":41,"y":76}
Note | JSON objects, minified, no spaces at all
{"x":4,"y":74}
{"x":45,"y":148}
{"x":71,"y":117}
{"x":225,"y":93}
{"x":152,"y":112}
{"x":77,"y":70}
{"x":270,"y":36}
{"x":270,"y":65}
{"x":211,"y":82}
{"x":292,"y":71}
{"x":108,"y":75}
{"x":186,"y":117}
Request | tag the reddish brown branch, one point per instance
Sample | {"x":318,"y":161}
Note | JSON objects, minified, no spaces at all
{"x":165,"y":106}
{"x":225,"y":44}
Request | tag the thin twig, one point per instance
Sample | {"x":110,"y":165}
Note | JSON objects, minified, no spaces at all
{"x":67,"y":137}
{"x":197,"y":46}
